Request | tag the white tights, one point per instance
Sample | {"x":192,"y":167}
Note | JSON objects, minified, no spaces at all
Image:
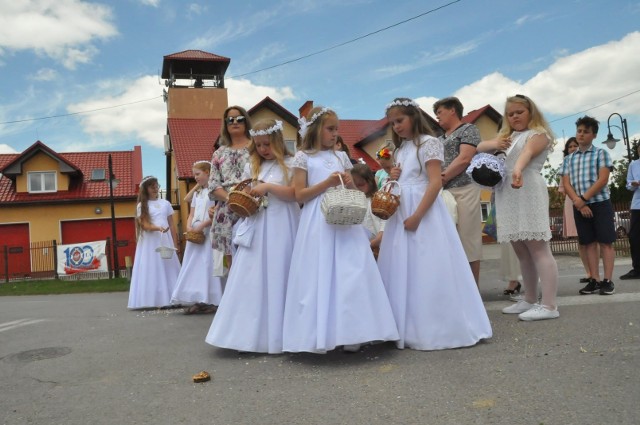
{"x":537,"y":263}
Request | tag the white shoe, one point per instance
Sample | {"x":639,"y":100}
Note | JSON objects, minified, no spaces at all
{"x":353,"y":348}
{"x":516,"y":297}
{"x":517,"y":308}
{"x":539,"y":312}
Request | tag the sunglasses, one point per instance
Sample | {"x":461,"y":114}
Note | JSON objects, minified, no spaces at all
{"x":239,"y":119}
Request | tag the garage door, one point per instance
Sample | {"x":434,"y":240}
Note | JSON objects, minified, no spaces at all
{"x":14,"y":250}
{"x":97,"y":230}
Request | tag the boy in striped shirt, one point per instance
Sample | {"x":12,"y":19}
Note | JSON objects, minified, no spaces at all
{"x":585,"y":175}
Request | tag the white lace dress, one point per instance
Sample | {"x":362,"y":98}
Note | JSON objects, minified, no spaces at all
{"x":523,"y":214}
{"x":335,"y":295}
{"x":432,"y":291}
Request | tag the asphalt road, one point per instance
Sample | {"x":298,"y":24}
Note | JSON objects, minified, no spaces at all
{"x":79,"y":359}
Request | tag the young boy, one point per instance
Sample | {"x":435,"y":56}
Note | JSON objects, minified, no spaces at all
{"x":585,"y":175}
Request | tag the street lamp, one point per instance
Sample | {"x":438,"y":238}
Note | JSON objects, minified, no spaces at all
{"x":113,"y":182}
{"x":611,"y":141}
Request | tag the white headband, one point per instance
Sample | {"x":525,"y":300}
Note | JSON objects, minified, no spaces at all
{"x":304,"y":124}
{"x":402,"y":103}
{"x":146,"y":179}
{"x":267,"y":131}
{"x":201,"y":162}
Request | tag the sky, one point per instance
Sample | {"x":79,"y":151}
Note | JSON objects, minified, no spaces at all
{"x":84,"y":75}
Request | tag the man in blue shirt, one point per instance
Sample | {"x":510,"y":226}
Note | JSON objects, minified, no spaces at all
{"x":633,"y":181}
{"x":585,"y":176}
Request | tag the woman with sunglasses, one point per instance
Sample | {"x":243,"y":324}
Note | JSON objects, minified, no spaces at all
{"x":227,"y":166}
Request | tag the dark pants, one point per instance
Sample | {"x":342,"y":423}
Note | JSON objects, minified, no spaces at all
{"x":634,"y":239}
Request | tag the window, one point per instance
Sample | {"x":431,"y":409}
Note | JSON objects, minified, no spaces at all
{"x":485,"y":208}
{"x":98,"y":174}
{"x":291,"y":145}
{"x":42,"y":181}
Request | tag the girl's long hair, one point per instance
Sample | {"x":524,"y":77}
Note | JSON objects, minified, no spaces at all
{"x":312,"y":140}
{"x":570,"y":140}
{"x":537,"y":121}
{"x":143,"y":200}
{"x":364,"y":172}
{"x":278,"y":148}
{"x":419,"y":122}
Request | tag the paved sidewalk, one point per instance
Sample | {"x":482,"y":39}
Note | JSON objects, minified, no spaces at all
{"x":78,"y":359}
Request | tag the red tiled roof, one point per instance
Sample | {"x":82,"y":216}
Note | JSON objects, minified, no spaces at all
{"x":473,"y":116}
{"x":81,"y":189}
{"x":355,"y":131}
{"x":192,"y":140}
{"x":197,"y":55}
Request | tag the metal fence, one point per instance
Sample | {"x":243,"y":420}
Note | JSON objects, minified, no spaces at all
{"x":562,"y":245}
{"x":38,"y":260}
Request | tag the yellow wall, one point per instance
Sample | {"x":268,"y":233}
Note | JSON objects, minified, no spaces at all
{"x":373,"y":146}
{"x":195,"y":103}
{"x":488,"y":128}
{"x":44,"y":221}
{"x":41,"y":162}
{"x":289,"y":132}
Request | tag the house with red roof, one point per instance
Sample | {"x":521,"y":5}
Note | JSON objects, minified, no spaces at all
{"x":196,"y":99}
{"x":64,"y":197}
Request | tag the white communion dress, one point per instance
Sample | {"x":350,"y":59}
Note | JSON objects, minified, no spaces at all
{"x":335,"y":295}
{"x":251,"y":313}
{"x":196,"y":282}
{"x":153,"y":278}
{"x":432,"y":291}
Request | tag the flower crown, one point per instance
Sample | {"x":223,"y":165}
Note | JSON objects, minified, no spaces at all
{"x":146,"y":179}
{"x":267,"y":131}
{"x":407,"y":102}
{"x":304,"y":124}
{"x":201,"y":162}
{"x":383,"y":153}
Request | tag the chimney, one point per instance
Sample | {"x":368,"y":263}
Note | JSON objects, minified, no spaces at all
{"x":306,"y":108}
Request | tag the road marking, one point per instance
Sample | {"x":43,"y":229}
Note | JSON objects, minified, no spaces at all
{"x":19,"y":323}
{"x":576,"y":300}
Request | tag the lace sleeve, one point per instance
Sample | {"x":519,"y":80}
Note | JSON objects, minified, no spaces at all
{"x":215,"y":176}
{"x":430,"y":148}
{"x":300,"y":160}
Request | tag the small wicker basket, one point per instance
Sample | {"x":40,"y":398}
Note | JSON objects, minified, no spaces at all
{"x":241,"y":203}
{"x":384,"y":203}
{"x":195,"y":237}
{"x":344,"y":206}
{"x":166,"y":252}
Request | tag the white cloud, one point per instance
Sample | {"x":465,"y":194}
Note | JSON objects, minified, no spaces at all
{"x":4,"y":148}
{"x":146,"y":120}
{"x":244,"y":93}
{"x":45,"y":74}
{"x":153,"y":3}
{"x":196,"y":9}
{"x":572,"y":83}
{"x":64,"y":30}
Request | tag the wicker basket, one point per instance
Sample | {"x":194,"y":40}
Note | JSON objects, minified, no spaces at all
{"x":195,"y":237}
{"x":166,"y":252}
{"x":384,"y":203}
{"x":241,"y":203}
{"x":344,"y":206}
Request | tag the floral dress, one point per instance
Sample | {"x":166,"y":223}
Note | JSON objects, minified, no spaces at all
{"x":227,"y":166}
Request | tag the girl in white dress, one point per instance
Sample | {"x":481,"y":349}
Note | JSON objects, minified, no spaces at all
{"x":365,"y":181}
{"x":250,"y":315}
{"x":335,"y":296}
{"x":197,"y":287}
{"x":432,"y":291}
{"x":522,"y":204}
{"x":153,"y":278}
